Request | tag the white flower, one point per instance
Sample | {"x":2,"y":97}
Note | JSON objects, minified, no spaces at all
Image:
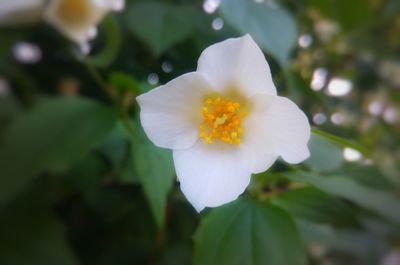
{"x":224,"y":122}
{"x":73,"y":18}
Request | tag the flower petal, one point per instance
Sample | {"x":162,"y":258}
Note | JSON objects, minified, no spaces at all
{"x":237,"y":63}
{"x":211,"y":175}
{"x":170,"y":114}
{"x":19,"y":12}
{"x":275,"y":127}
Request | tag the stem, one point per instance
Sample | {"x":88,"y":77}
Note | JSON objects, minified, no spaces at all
{"x":107,"y":89}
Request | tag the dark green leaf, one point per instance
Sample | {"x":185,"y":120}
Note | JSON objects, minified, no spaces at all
{"x":9,"y":109}
{"x":115,"y":146}
{"x":272,"y":26}
{"x":87,"y":176}
{"x":52,"y":136}
{"x":367,"y":175}
{"x":248,"y":232}
{"x":386,"y":204}
{"x":160,"y":25}
{"x":317,"y":206}
{"x":124,"y":82}
{"x":31,"y":235}
{"x":156,"y":172}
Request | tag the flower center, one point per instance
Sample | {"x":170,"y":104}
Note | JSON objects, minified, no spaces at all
{"x":71,"y":10}
{"x":221,"y":121}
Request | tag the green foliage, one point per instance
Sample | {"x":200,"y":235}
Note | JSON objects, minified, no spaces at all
{"x":248,"y":232}
{"x":261,"y":21}
{"x":383,"y":203}
{"x":367,"y":175}
{"x":155,"y":172}
{"x":161,"y":25}
{"x":50,"y":137}
{"x":343,"y":142}
{"x":325,"y":155}
{"x":361,"y":244}
{"x":315,"y":205}
{"x":31,"y":235}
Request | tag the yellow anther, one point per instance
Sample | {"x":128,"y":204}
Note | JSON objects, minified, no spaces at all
{"x":73,"y":11}
{"x":221,"y":121}
{"x":234,"y":135}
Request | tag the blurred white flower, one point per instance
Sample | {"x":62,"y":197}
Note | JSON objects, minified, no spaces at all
{"x":326,"y":29}
{"x":390,"y":70}
{"x":305,"y":41}
{"x":391,"y":115}
{"x":318,"y":80}
{"x":351,"y":154}
{"x":74,"y":18}
{"x":339,"y":87}
{"x":224,"y":122}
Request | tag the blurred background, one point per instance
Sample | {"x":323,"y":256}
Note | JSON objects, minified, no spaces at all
{"x":81,"y":184}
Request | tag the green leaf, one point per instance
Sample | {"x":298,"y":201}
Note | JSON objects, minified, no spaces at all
{"x":367,"y":175}
{"x":342,"y":142}
{"x":271,"y":25}
{"x":317,"y":206}
{"x":248,"y":232}
{"x":160,"y":25}
{"x":325,"y":155}
{"x":31,"y":235}
{"x":113,"y":42}
{"x":87,"y":176}
{"x":383,"y":203}
{"x":51,"y":136}
{"x":154,"y":167}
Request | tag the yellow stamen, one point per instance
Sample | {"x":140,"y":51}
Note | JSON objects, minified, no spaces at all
{"x":72,"y":10}
{"x":221,"y":120}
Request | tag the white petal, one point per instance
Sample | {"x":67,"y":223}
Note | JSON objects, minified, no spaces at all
{"x":237,"y":63}
{"x":76,"y":26}
{"x":275,"y":127}
{"x":171,"y":114}
{"x":211,"y":175}
{"x":11,"y":6}
{"x":15,"y":12}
